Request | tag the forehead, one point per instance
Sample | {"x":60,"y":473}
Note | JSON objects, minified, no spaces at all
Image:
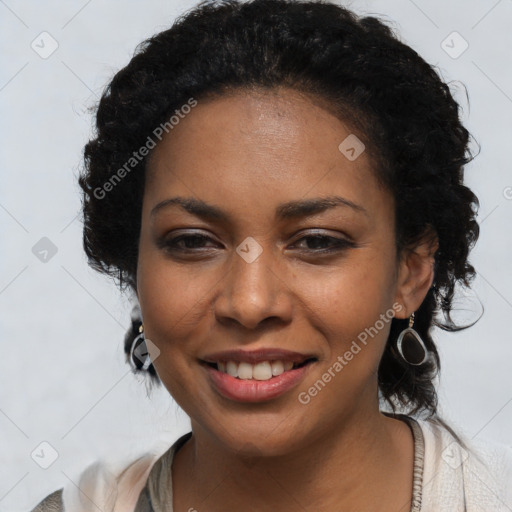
{"x":250,"y":142}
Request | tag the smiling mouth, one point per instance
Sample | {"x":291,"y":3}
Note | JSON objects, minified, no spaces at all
{"x":261,"y":371}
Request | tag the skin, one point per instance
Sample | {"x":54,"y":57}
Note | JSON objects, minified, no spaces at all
{"x":247,"y":153}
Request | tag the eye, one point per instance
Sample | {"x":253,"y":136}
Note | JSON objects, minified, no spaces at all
{"x":185,"y":243}
{"x":324,"y":243}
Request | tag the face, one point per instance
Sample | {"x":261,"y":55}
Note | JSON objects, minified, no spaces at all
{"x":264,"y":247}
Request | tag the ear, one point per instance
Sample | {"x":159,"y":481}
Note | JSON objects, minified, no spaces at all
{"x":416,"y":273}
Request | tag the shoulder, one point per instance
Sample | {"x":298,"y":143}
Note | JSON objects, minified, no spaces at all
{"x":459,"y":469}
{"x":105,"y":485}
{"x":52,"y":503}
{"x":158,"y":492}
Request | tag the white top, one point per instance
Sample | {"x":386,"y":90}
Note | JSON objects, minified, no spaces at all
{"x":447,"y":478}
{"x":478,"y":480}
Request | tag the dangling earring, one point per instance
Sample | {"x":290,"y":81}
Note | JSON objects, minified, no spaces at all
{"x":139,"y":352}
{"x":410,"y":345}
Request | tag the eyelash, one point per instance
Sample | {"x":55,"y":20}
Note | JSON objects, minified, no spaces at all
{"x":338,"y":244}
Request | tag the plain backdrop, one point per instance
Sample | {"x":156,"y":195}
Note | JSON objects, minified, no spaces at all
{"x":64,"y":382}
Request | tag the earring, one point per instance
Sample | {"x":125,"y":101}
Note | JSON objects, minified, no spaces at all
{"x":139,"y":352}
{"x":410,"y":345}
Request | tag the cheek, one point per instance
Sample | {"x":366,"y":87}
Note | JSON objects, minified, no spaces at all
{"x":353,"y":296}
{"x":168,"y":298}
{"x":167,"y":290}
{"x":352,"y":308}
{"x":166,"y":301}
{"x":175,"y":301}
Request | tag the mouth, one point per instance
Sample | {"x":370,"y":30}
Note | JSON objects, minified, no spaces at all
{"x":256,"y":376}
{"x":262,"y":371}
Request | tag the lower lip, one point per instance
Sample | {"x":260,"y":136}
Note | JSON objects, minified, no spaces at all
{"x":252,"y":390}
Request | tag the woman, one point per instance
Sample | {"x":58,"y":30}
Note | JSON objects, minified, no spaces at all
{"x":280,"y":183}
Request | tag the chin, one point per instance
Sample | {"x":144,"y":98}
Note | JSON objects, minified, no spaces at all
{"x":257,"y":435}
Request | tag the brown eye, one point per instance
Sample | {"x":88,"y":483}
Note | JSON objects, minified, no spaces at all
{"x":323,"y":243}
{"x":186,"y":243}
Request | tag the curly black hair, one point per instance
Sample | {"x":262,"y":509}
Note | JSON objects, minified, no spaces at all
{"x":395,"y":101}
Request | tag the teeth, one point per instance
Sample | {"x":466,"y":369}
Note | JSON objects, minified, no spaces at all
{"x":231,"y":368}
{"x":245,"y":371}
{"x":277,"y":368}
{"x":260,"y":371}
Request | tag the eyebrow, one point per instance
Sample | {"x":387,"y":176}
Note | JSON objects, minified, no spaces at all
{"x":289,"y":210}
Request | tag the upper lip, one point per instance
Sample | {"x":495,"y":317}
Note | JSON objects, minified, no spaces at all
{"x":257,"y":356}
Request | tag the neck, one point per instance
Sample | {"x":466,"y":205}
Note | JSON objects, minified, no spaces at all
{"x":364,"y":464}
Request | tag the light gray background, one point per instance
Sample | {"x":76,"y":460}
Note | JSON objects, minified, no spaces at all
{"x":64,"y":380}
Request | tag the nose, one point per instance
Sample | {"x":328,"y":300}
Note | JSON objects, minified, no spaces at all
{"x":254,"y":293}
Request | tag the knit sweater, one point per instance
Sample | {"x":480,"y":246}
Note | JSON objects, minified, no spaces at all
{"x":448,"y":477}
